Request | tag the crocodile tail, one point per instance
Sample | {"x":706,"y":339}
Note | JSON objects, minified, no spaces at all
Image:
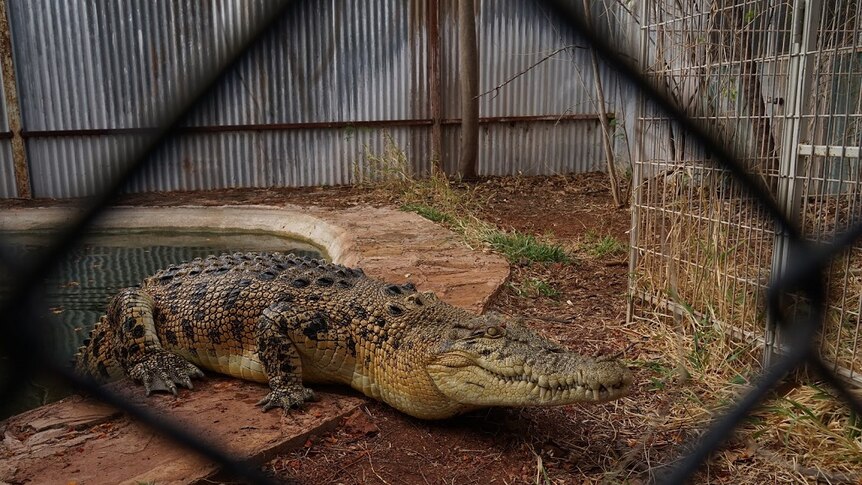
{"x":94,"y":359}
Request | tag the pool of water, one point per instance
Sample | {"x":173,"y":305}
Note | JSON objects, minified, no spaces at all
{"x":78,"y":291}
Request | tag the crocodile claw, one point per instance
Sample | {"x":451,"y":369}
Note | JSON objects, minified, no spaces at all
{"x":162,"y":371}
{"x":287,"y":397}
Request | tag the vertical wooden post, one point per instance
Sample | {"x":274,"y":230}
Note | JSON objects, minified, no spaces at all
{"x":10,"y":91}
{"x":468,"y":62}
{"x":435,"y":97}
{"x":603,"y":117}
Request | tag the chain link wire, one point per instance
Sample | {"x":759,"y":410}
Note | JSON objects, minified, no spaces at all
{"x":22,"y":326}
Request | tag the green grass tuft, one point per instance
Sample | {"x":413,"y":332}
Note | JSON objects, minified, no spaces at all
{"x":519,"y":247}
{"x":601,"y":247}
{"x":428,"y":212}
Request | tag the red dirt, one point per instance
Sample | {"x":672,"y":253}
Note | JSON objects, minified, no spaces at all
{"x":556,"y":445}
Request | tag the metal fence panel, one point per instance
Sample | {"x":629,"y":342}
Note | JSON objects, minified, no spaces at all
{"x":549,"y":73}
{"x":699,"y":243}
{"x":828,"y":178}
{"x":65,"y":167}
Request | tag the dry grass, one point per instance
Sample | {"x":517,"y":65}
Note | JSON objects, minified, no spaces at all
{"x":389,"y":170}
{"x":691,"y":373}
{"x":713,"y":252}
{"x":708,"y":257}
{"x":454,"y":205}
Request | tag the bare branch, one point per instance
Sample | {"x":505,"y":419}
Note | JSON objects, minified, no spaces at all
{"x":496,"y":89}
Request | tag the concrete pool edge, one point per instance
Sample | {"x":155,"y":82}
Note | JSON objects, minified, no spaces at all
{"x":386,"y":243}
{"x":67,"y":440}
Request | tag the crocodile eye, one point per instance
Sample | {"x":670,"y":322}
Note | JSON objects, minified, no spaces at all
{"x":488,"y":332}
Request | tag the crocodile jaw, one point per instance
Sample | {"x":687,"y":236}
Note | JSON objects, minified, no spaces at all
{"x":476,"y":381}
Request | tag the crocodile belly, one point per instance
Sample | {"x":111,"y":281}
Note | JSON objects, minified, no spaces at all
{"x":244,"y":364}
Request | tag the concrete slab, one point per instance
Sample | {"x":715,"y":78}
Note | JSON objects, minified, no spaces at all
{"x":78,"y":440}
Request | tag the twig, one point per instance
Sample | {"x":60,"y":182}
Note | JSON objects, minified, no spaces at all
{"x":344,"y":468}
{"x":371,"y":465}
{"x":496,"y":89}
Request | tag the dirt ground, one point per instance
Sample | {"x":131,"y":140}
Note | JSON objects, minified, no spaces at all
{"x":501,"y":446}
{"x":583,"y":306}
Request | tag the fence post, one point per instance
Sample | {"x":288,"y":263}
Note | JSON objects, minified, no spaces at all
{"x":13,"y":111}
{"x":801,"y":69}
{"x":637,"y":165}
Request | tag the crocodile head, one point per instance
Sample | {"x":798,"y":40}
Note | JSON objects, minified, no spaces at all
{"x":492,"y":361}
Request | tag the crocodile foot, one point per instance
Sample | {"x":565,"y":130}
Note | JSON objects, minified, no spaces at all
{"x":162,"y":371}
{"x":286,"y":395}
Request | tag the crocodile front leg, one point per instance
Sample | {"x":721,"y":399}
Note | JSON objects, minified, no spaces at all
{"x":280,"y":358}
{"x":137,"y":348}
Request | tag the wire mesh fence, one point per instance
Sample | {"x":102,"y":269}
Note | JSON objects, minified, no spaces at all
{"x":763,"y":242}
{"x":824,"y":189}
{"x":780,"y":85}
{"x":700,"y":244}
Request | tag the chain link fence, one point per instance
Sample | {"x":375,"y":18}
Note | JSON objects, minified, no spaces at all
{"x":712,"y":174}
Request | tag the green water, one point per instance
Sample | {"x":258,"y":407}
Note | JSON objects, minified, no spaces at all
{"x":77,"y":292}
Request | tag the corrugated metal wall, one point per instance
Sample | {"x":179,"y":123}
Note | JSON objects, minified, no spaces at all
{"x":107,"y":66}
{"x":7,"y":167}
{"x":513,"y":38}
{"x":7,"y":171}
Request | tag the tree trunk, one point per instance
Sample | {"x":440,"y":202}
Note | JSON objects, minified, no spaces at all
{"x":469,"y":66}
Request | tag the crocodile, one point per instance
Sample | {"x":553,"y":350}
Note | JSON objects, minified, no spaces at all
{"x":286,"y":320}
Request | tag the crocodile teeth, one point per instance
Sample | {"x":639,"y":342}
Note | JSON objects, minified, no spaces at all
{"x":543,"y":381}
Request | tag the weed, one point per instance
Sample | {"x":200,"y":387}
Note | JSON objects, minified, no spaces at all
{"x":519,"y":247}
{"x":657,"y":384}
{"x":603,"y":246}
{"x":428,"y":212}
{"x":435,"y":199}
{"x":389,"y":169}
